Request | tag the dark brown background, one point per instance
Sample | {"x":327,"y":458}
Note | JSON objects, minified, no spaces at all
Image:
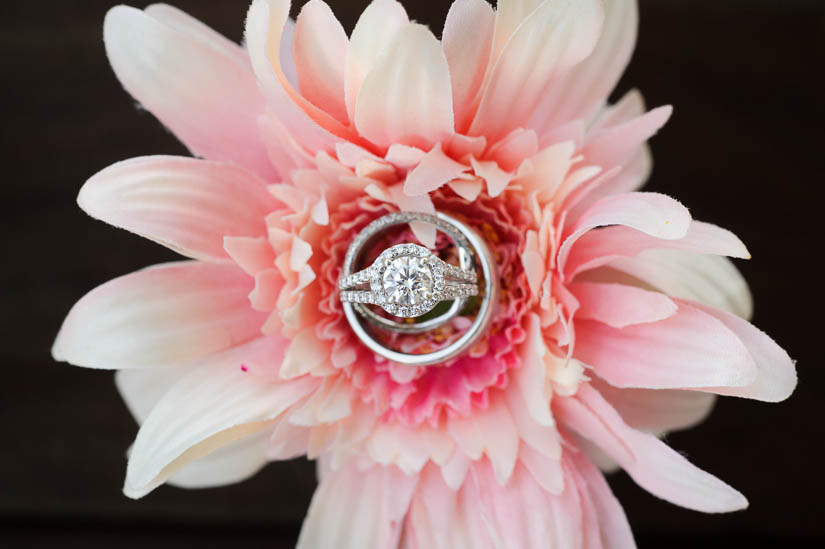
{"x":744,"y":150}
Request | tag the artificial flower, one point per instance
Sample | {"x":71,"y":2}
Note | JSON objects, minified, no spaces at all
{"x":620,"y":317}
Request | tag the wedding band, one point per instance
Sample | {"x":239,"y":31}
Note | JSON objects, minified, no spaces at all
{"x":463,"y":250}
{"x":473,"y":248}
{"x":408,"y":280}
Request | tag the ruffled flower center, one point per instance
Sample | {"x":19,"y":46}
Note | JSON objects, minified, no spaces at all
{"x":414,"y":394}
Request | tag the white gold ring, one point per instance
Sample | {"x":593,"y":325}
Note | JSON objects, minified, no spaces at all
{"x":472,"y":251}
{"x":408,"y":280}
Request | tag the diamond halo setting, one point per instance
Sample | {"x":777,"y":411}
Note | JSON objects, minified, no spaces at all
{"x":408,"y":280}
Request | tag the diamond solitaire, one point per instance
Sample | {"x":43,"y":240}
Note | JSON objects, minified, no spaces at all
{"x":408,"y":280}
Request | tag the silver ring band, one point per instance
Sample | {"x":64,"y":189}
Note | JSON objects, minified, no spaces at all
{"x":408,"y":280}
{"x":466,"y":260}
{"x":483,"y":317}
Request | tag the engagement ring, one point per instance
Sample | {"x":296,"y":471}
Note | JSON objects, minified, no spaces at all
{"x":408,"y":280}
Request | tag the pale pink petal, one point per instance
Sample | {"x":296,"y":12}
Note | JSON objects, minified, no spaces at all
{"x":467,"y":40}
{"x":689,"y":349}
{"x":553,"y":521}
{"x":614,"y":146}
{"x":268,"y":286}
{"x":306,"y":353}
{"x":776,"y":378}
{"x":434,"y":170}
{"x":320,"y":51}
{"x":631,"y":105}
{"x":287,"y":441}
{"x":619,"y":306}
{"x":299,"y":254}
{"x":443,"y":517}
{"x":331,"y":402}
{"x":472,"y":434}
{"x":551,"y":39}
{"x":355,"y":509}
{"x":585,"y":87}
{"x":167,"y":314}
{"x":377,"y":26}
{"x":424,"y":232}
{"x":510,"y":151}
{"x":202,"y":88}
{"x":350,"y":154}
{"x":531,"y":378}
{"x":496,"y":178}
{"x":265,"y":24}
{"x":708,"y":279}
{"x":615,"y":530}
{"x":217,"y":403}
{"x":657,"y":410}
{"x":142,"y":388}
{"x":230,"y":464}
{"x":652,"y":464}
{"x":404,"y":156}
{"x":185,"y":204}
{"x":617,"y":180}
{"x":546,"y":471}
{"x":468,"y":189}
{"x":651,"y":213}
{"x":285,"y":153}
{"x":406,"y":96}
{"x":595,"y":249}
{"x":253,"y":255}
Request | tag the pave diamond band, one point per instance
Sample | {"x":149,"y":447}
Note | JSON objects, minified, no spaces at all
{"x":408,"y":280}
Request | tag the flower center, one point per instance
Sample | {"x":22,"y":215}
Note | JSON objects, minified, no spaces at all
{"x":408,"y":281}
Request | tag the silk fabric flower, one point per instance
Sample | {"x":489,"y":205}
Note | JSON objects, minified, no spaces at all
{"x":620,"y":317}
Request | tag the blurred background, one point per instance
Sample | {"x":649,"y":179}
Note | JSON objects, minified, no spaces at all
{"x":743,"y":150}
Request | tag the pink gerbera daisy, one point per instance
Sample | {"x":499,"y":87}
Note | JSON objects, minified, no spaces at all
{"x":619,"y":318}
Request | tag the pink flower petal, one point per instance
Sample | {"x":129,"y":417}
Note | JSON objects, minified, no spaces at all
{"x":496,"y":178}
{"x":467,"y":40}
{"x":468,"y":189}
{"x":198,"y":85}
{"x":595,"y":249}
{"x":253,"y":255}
{"x":550,"y":40}
{"x":581,"y":91}
{"x":651,"y":213}
{"x":530,"y":380}
{"x":305,"y":353}
{"x":472,"y":434}
{"x":167,"y":314}
{"x":354,"y":509}
{"x":185,"y":204}
{"x":619,"y":306}
{"x":229,"y":464}
{"x":268,"y":285}
{"x":434,"y":170}
{"x":142,"y":388}
{"x":615,"y":530}
{"x":615,"y":145}
{"x":776,"y":378}
{"x":406,"y":96}
{"x":652,"y":464}
{"x":320,"y":52}
{"x":377,"y":26}
{"x":657,"y":410}
{"x":689,"y":349}
{"x":216,"y":404}
{"x":708,"y":279}
{"x":312,"y":127}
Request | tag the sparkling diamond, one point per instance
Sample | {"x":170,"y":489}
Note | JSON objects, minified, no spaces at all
{"x":408,"y":281}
